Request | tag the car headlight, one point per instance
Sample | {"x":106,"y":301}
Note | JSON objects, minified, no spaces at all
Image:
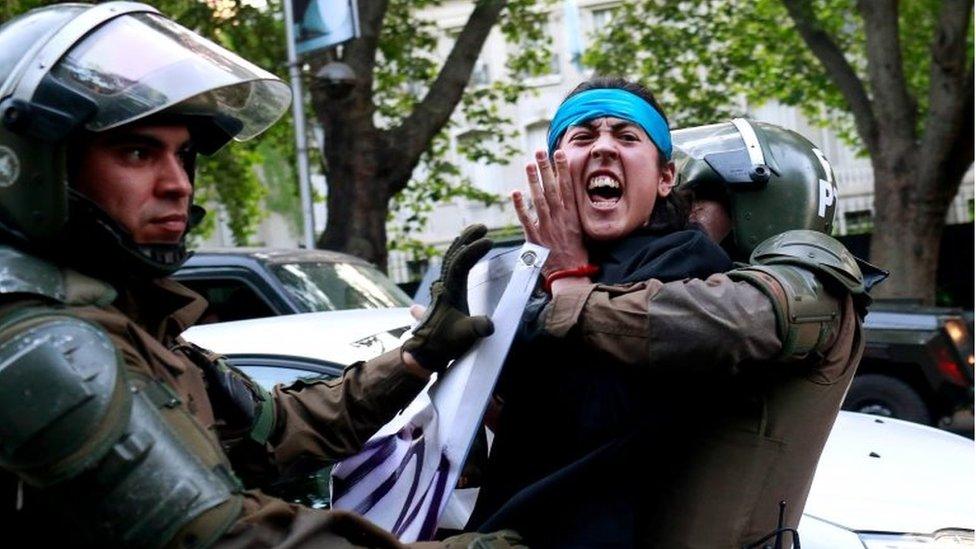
{"x":959,"y":334}
{"x":943,"y":539}
{"x":957,"y":331}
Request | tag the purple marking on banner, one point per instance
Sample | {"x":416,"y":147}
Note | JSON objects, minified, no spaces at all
{"x":385,"y":447}
{"x":416,"y":449}
{"x":439,"y":480}
{"x":433,"y":512}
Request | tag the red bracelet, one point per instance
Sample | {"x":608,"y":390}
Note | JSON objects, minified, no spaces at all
{"x":586,"y":270}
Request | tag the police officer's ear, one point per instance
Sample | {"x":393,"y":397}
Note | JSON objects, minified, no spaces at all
{"x":197,"y":213}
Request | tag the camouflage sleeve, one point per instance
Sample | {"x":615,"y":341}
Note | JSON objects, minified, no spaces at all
{"x":686,"y":326}
{"x":332,"y":419}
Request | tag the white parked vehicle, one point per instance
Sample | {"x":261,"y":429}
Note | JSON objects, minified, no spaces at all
{"x":881,"y":483}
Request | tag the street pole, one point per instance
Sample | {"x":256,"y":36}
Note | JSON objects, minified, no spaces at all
{"x":298,"y":113}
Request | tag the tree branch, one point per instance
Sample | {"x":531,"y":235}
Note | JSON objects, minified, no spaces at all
{"x":411,"y":138}
{"x":894,"y":108}
{"x":959,"y":156}
{"x":838,"y":69}
{"x":950,"y":86}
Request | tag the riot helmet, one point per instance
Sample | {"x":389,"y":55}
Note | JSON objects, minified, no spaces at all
{"x":769,"y":178}
{"x":71,"y":70}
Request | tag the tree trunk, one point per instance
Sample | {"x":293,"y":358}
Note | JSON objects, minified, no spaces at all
{"x":908,"y":224}
{"x":358,"y":199}
{"x":916,"y":176}
{"x":366,"y":166}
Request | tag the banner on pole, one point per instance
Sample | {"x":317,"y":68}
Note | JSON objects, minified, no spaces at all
{"x":322,"y":24}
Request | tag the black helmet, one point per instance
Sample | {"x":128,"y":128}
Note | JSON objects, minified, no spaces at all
{"x":771,"y":179}
{"x":68,"y":69}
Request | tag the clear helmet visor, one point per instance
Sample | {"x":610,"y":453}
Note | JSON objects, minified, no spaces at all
{"x":731,"y":149}
{"x":714,"y":138}
{"x":139,"y":64}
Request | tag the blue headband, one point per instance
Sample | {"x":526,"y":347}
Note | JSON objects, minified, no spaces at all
{"x":614,"y":102}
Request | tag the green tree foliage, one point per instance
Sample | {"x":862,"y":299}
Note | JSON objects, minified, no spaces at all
{"x":408,"y":61}
{"x":706,"y":59}
{"x":892,"y":78}
{"x":407,"y":65}
{"x":387,"y":141}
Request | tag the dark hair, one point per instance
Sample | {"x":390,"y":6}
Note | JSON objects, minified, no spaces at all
{"x":671,"y":213}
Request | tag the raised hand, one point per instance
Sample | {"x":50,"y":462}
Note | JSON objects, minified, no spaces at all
{"x":556,"y":224}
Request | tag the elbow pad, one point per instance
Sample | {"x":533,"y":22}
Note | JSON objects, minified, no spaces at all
{"x":806,"y":314}
{"x":806,"y":275}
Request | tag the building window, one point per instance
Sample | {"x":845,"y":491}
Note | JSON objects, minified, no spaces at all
{"x":602,"y":17}
{"x":481,"y":71}
{"x":535,"y":135}
{"x":858,"y":221}
{"x":548,"y":74}
{"x":554,"y":64}
{"x":480,"y":74}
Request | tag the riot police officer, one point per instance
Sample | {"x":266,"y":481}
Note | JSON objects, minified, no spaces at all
{"x":113,"y":430}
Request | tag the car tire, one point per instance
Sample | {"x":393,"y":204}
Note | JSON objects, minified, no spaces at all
{"x":886,"y":396}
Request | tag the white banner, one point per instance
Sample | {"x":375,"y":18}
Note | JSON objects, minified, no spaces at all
{"x":405,"y":474}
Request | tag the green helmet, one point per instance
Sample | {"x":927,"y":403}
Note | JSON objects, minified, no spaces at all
{"x":770,"y":179}
{"x":69,"y":69}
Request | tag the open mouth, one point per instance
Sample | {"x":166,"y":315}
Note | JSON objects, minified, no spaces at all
{"x":603,"y":190}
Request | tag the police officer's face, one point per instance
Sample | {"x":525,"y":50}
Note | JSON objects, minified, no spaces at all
{"x":137,"y":175}
{"x":617,"y":175}
{"x":711,"y":216}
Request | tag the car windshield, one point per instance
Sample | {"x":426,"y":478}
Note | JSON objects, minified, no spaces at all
{"x":337,"y":286}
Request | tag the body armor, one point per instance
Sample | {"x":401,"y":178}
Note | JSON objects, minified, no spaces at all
{"x":76,"y":424}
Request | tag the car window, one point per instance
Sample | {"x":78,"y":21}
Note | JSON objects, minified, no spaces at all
{"x":269,"y":376}
{"x":311,"y":488}
{"x":229,"y":299}
{"x":339,"y":286}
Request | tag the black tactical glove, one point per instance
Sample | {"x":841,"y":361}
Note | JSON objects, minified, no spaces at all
{"x":447,"y":330}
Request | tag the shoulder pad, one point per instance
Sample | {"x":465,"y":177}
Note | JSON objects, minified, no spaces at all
{"x":63,"y":400}
{"x":820,"y":253}
{"x":75,"y":422}
{"x":806,"y":314}
{"x":21,"y":273}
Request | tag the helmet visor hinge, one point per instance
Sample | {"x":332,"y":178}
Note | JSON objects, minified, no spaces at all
{"x":53,"y":113}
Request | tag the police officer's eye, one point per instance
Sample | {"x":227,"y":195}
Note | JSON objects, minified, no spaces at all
{"x":135,"y":154}
{"x":186,"y":153}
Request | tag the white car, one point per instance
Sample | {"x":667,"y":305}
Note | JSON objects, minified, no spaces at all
{"x":881,"y":483}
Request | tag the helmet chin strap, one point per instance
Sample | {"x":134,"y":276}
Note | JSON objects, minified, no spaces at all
{"x":97,"y":244}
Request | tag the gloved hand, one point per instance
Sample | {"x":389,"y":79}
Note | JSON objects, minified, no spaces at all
{"x":447,"y":330}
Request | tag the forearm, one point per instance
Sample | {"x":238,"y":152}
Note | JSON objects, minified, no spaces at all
{"x":686,"y":325}
{"x":333,"y":419}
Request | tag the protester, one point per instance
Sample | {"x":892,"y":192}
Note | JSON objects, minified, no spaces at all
{"x":648,"y":403}
{"x":115,"y":431}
